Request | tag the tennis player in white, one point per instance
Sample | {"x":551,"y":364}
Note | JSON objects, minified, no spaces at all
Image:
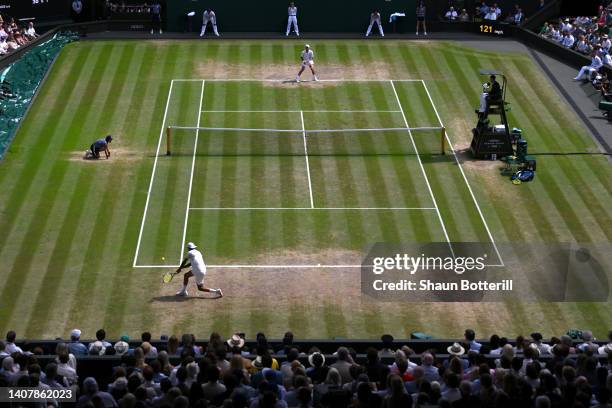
{"x":198,"y":269}
{"x":307,"y":57}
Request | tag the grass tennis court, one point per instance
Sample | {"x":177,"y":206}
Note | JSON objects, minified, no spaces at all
{"x":325,"y":185}
{"x":71,"y":228}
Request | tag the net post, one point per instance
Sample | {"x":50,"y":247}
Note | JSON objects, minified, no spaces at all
{"x":168,"y":140}
{"x":443,"y":140}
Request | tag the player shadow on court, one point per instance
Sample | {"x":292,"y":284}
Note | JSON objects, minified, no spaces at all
{"x":180,"y":299}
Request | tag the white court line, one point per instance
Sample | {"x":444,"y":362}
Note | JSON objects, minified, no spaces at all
{"x":193,"y":160}
{"x":307,"y":161}
{"x":416,"y":150}
{"x":313,"y":266}
{"x":289,"y":80}
{"x":450,"y":143}
{"x":311,"y":208}
{"x":271,"y":130}
{"x":305,"y":111}
{"x":144,"y":215}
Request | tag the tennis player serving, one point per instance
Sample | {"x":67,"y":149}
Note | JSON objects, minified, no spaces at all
{"x":307,"y":57}
{"x":198,"y":269}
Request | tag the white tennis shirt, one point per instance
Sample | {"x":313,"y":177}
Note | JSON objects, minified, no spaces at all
{"x":307,"y":56}
{"x":197,"y":261}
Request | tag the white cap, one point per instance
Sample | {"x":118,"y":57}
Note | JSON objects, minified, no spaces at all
{"x":307,"y":46}
{"x":191,"y":245}
{"x":75,"y":333}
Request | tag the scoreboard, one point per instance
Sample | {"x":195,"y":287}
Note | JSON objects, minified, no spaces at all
{"x":39,"y":9}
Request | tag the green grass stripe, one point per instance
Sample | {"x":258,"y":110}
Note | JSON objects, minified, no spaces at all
{"x":86,"y":282}
{"x":17,"y":197}
{"x":60,"y":256}
{"x":12,"y":288}
{"x":120,"y":283}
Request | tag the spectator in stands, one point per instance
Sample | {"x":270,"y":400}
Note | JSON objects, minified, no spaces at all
{"x":31,"y":31}
{"x":607,"y":348}
{"x":90,"y":393}
{"x":146,"y":338}
{"x":173,"y":345}
{"x":65,"y":370}
{"x":121,"y":347}
{"x":588,"y":338}
{"x":51,"y":378}
{"x":518,"y":16}
{"x":464,"y":17}
{"x":396,"y":395}
{"x":3,"y":352}
{"x":164,"y":361}
{"x":9,"y":369}
{"x":101,"y":337}
{"x":343,"y":364}
{"x":543,"y":348}
{"x":497,"y":11}
{"x":451,"y":14}
{"x":212,"y":388}
{"x":187,"y":344}
{"x":288,"y":367}
{"x":430,"y":372}
{"x":75,"y":346}
{"x":491,"y":14}
{"x":331,"y":393}
{"x":387,"y":344}
{"x":287,"y":343}
{"x":97,"y":348}
{"x":10,"y":346}
{"x":470,"y":338}
{"x":482,"y":10}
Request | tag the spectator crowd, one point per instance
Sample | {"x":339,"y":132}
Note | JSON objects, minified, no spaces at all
{"x":586,"y":35}
{"x":485,"y":12}
{"x":12,"y":36}
{"x":529,"y":372}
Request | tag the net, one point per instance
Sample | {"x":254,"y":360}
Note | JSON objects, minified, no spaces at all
{"x":210,"y":141}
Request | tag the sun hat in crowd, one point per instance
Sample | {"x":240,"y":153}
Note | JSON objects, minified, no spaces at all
{"x":76,"y":333}
{"x":311,"y":358}
{"x":97,"y":348}
{"x":456,"y":349}
{"x":121,"y":347}
{"x":257,"y":363}
{"x":235,"y":341}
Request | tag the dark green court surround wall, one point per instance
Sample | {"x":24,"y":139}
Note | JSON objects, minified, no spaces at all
{"x":271,"y":15}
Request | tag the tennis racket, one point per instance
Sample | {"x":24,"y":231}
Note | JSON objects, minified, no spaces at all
{"x":167,"y":277}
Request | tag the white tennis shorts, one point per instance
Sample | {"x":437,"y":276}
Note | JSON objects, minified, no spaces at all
{"x":307,"y":63}
{"x":199,"y":277}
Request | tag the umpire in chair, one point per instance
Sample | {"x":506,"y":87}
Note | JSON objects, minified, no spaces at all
{"x":491,"y":96}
